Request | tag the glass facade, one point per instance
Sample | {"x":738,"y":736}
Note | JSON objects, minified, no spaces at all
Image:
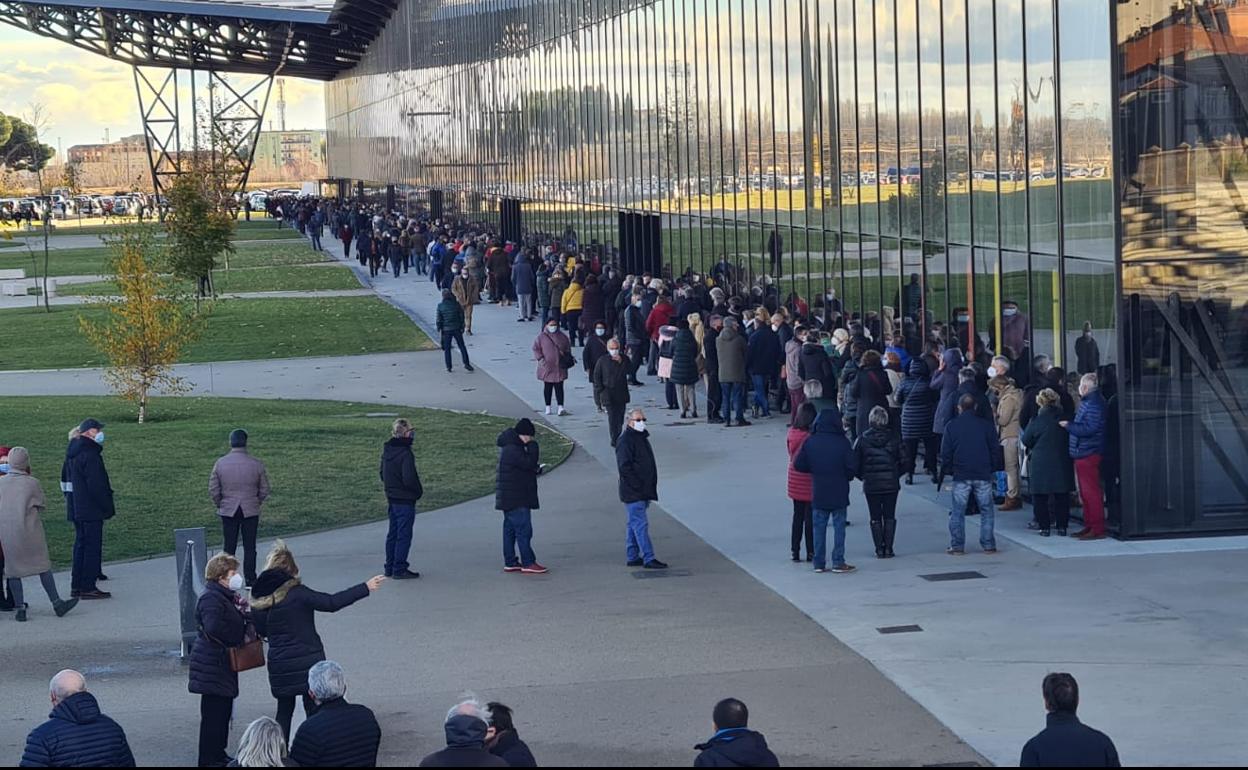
{"x":970,"y":143}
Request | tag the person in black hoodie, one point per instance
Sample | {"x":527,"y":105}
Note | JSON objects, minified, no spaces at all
{"x":403,"y":489}
{"x":502,"y":740}
{"x":814,"y":364}
{"x":516,"y":495}
{"x":467,"y":725}
{"x":733,"y":744}
{"x":880,"y":468}
{"x":869,"y":389}
{"x":284,"y":612}
{"x":76,"y":734}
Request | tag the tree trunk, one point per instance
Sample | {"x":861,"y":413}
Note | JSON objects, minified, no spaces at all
{"x":142,"y":407}
{"x":47,"y":306}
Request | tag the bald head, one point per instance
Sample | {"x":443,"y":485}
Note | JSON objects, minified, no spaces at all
{"x":66,"y":683}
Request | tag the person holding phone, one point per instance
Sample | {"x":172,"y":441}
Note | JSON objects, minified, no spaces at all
{"x":516,"y":495}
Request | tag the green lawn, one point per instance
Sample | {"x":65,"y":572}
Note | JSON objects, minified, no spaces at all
{"x":94,"y":260}
{"x":248,"y":279}
{"x":239,"y":329}
{"x":321,"y":457}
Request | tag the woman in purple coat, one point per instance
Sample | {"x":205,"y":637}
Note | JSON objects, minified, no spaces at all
{"x":553,"y":350}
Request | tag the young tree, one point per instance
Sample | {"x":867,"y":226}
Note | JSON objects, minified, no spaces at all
{"x":148,"y":326}
{"x":198,"y":230}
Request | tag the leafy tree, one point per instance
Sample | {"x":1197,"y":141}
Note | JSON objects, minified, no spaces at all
{"x":21,"y":149}
{"x":71,"y":177}
{"x":198,"y":230}
{"x":149,"y":325}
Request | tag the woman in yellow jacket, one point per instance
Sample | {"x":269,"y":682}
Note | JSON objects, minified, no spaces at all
{"x":570,"y":308}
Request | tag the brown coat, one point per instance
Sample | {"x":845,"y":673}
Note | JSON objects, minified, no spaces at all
{"x":21,"y":529}
{"x":1009,"y":406}
{"x":466,"y":292}
{"x":238,"y":481}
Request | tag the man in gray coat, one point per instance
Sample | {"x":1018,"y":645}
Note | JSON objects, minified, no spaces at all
{"x":731,"y":347}
{"x":238,"y":486}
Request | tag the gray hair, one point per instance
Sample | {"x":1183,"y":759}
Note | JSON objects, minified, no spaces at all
{"x":66,"y":683}
{"x":400,"y":428}
{"x":878,"y":417}
{"x":327,"y":681}
{"x":730,"y":322}
{"x":471,"y":707}
{"x":812,"y":389}
{"x":1002,"y":364}
{"x":262,"y":745}
{"x":1090,"y":381}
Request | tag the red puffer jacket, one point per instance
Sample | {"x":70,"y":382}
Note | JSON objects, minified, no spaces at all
{"x":800,"y":488}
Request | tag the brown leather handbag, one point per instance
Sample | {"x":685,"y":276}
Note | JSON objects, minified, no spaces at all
{"x":249,"y":654}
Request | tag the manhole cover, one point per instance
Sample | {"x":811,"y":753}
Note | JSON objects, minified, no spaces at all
{"x":661,"y":573}
{"x":943,"y":576}
{"x":899,"y":629}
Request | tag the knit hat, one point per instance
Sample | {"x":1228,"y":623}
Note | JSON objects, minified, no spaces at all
{"x":525,"y":427}
{"x":19,"y":459}
{"x":238,"y":438}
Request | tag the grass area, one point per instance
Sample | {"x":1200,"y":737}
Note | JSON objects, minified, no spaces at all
{"x":321,"y":458}
{"x":248,"y":279}
{"x":94,"y":260}
{"x":239,"y":329}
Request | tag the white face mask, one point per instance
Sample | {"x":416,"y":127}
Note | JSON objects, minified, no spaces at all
{"x":552,"y":329}
{"x":600,"y":332}
{"x":639,"y":426}
{"x":236,"y":582}
{"x":615,"y":352}
{"x":1009,"y":311}
{"x":992,"y":371}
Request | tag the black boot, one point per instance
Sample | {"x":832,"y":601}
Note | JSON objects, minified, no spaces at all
{"x":910,"y":478}
{"x":890,"y":529}
{"x":877,"y":535}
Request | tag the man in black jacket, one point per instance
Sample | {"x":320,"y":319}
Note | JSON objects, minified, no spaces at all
{"x":93,"y":505}
{"x":76,"y":733}
{"x":1067,"y":742}
{"x":502,"y":740}
{"x":970,"y":450}
{"x":639,"y":485}
{"x":403,"y":489}
{"x":733,"y":745}
{"x":714,"y":396}
{"x":467,"y":725}
{"x":610,"y":381}
{"x":339,"y":734}
{"x":450,"y":324}
{"x":515,"y":494}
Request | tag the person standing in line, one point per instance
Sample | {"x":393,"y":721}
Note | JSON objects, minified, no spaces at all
{"x":636,"y":338}
{"x":502,"y":740}
{"x":685,"y":364}
{"x":6,"y":601}
{"x":731,"y":350}
{"x":1087,"y":352}
{"x":524,"y":280}
{"x":21,"y":530}
{"x":829,"y":459}
{"x":467,"y":293}
{"x":1065,"y":741}
{"x":570,"y":307}
{"x":710,"y":358}
{"x":800,"y":484}
{"x":763,"y":358}
{"x":553,"y":352}
{"x":793,"y":370}
{"x":1051,"y":476}
{"x":403,"y":490}
{"x":450,"y":324}
{"x":1008,"y":401}
{"x":262,"y":745}
{"x":221,"y":626}
{"x":77,"y":733}
{"x":238,"y":486}
{"x":93,"y":505}
{"x":515,"y":494}
{"x":595,"y":348}
{"x":918,"y":410}
{"x":734,"y":744}
{"x":1087,"y":442}
{"x":284,"y":612}
{"x":870,"y":388}
{"x":969,"y":450}
{"x":945,"y":382}
{"x":610,"y":380}
{"x":879,"y":458}
{"x":639,"y":486}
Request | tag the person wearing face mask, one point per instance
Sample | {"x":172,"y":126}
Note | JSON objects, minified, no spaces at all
{"x":595,"y":348}
{"x":610,"y":381}
{"x":221,"y":626}
{"x":553,"y":351}
{"x":1008,"y":403}
{"x":21,"y":530}
{"x":636,"y":338}
{"x":93,"y":505}
{"x":639,"y":486}
{"x":467,"y":293}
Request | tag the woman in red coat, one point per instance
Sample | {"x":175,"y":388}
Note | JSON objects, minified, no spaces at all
{"x":800,"y":488}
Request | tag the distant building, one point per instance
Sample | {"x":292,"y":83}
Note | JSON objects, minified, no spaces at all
{"x":120,"y":165}
{"x":289,"y":156}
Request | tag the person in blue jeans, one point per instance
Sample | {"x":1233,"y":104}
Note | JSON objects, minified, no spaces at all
{"x":971,"y":452}
{"x":515,"y":494}
{"x":763,"y":359}
{"x":403,"y":489}
{"x":830,"y":460}
{"x":731,"y":351}
{"x":639,"y":486}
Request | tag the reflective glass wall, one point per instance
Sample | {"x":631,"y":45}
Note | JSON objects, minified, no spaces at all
{"x":840,"y":147}
{"x":1183,"y":163}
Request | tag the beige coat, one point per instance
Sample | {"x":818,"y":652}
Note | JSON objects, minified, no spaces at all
{"x":21,"y":529}
{"x":1009,"y":406}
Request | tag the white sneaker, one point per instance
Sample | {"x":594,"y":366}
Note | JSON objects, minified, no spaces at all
{"x":562,"y":411}
{"x":547,"y":410}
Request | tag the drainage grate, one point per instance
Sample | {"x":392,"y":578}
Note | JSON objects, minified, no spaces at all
{"x":899,"y":629}
{"x":661,"y":573}
{"x":942,"y":576}
{"x":677,"y":424}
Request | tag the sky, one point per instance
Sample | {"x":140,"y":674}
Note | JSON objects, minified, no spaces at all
{"x":85,"y":93}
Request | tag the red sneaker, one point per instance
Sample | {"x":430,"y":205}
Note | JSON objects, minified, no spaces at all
{"x":511,"y":569}
{"x":534,"y":569}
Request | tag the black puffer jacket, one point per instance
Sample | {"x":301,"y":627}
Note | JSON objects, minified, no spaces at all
{"x":284,"y":611}
{"x":814,"y":364}
{"x":339,"y":734}
{"x":93,"y":493}
{"x":77,"y":735}
{"x":684,"y":358}
{"x":515,"y":485}
{"x":735,"y":748}
{"x":918,"y":400}
{"x":870,"y":389}
{"x":848,"y":375}
{"x":639,"y":475}
{"x":398,"y":472}
{"x":879,"y":461}
{"x":221,"y":627}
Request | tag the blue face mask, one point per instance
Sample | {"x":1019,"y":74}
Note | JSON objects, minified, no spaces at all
{"x":4,"y":467}
{"x":99,"y":438}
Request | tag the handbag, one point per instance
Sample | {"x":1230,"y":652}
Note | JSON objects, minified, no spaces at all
{"x":246,"y":656}
{"x":566,"y":360}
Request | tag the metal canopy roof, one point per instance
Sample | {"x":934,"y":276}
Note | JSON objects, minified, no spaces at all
{"x":303,"y":38}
